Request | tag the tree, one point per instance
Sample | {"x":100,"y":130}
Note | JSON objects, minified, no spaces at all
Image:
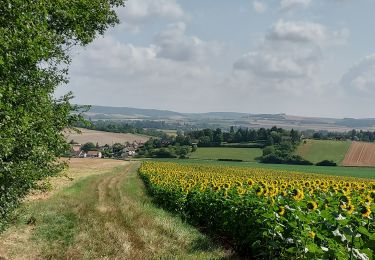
{"x":117,"y":149}
{"x":204,"y":141}
{"x":88,"y":147}
{"x":218,"y":136}
{"x":183,"y":151}
{"x":268,"y":150}
{"x":35,"y":39}
{"x":295,"y":136}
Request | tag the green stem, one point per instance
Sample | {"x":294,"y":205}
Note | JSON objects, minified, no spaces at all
{"x":351,"y":247}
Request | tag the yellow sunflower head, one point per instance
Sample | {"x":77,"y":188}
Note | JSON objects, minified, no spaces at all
{"x":365,"y":211}
{"x":281,"y":211}
{"x":350,"y":209}
{"x":312,"y":205}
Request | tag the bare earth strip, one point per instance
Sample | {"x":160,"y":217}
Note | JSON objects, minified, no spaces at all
{"x":103,"y":138}
{"x":360,"y":154}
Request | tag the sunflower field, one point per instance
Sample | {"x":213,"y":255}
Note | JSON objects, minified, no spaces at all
{"x":274,"y":214}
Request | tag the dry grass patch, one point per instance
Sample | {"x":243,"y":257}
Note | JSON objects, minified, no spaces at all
{"x":103,"y":215}
{"x":103,"y":138}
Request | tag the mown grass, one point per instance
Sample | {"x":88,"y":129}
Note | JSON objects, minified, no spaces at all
{"x":215,"y":153}
{"x":106,"y":216}
{"x":359,"y":172}
{"x":319,"y":150}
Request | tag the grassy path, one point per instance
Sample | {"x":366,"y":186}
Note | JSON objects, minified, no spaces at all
{"x":104,"y":216}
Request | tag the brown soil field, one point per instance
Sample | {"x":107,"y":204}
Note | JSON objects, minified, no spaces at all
{"x":360,"y":154}
{"x":103,"y":138}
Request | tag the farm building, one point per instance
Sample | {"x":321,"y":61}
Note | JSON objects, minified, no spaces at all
{"x":91,"y":154}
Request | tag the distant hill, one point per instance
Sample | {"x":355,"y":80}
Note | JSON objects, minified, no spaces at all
{"x":226,"y":119}
{"x":133,"y":112}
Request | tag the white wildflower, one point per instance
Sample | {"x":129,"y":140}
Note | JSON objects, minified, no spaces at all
{"x":340,"y":217}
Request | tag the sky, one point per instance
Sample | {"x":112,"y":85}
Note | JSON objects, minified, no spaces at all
{"x":299,"y":57}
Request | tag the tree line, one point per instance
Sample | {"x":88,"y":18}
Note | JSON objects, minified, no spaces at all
{"x":354,"y":135}
{"x":257,"y":137}
{"x":122,"y":127}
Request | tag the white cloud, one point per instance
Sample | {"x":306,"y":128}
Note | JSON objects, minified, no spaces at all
{"x":307,"y":32}
{"x":269,"y":66}
{"x":159,"y":74}
{"x":259,"y":7}
{"x":138,"y":12}
{"x":360,"y":79}
{"x":287,"y":5}
{"x":289,"y":58}
{"x":174,"y":44}
{"x":298,"y":31}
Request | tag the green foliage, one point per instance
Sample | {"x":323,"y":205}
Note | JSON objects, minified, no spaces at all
{"x":123,"y":127}
{"x":35,"y":38}
{"x":326,"y":163}
{"x":268,"y":150}
{"x":88,"y":147}
{"x":262,"y":136}
{"x":282,"y":153}
{"x":278,"y":158}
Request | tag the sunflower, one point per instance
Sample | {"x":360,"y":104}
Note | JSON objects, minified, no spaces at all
{"x":250,"y":182}
{"x":312,"y":205}
{"x":344,"y":201}
{"x":241,"y":191}
{"x":368,"y":200}
{"x":372,"y":194}
{"x":259,"y":191}
{"x":281,"y":211}
{"x":350,"y":209}
{"x":311,"y":234}
{"x":226,"y":186}
{"x":297,"y":194}
{"x":365,"y":211}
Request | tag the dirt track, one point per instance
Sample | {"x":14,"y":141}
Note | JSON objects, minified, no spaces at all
{"x":360,"y":154}
{"x":110,"y":216}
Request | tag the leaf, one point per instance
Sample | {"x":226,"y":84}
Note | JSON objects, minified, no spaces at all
{"x":365,"y":232}
{"x":313,"y":248}
{"x":292,"y":250}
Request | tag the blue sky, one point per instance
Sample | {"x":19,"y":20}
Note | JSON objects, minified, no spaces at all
{"x":300,"y":57}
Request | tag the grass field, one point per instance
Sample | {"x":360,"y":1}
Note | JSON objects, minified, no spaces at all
{"x":103,"y":213}
{"x":319,"y":150}
{"x":359,"y":172}
{"x":214,"y":153}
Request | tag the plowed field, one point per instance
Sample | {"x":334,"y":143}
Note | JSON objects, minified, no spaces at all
{"x":360,"y":154}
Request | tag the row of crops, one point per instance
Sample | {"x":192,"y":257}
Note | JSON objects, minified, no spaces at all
{"x":268,"y":213}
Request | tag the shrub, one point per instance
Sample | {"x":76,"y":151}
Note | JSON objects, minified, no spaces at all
{"x":326,"y":163}
{"x":279,"y":158}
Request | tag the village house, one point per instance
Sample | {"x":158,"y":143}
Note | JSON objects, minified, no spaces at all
{"x":75,"y":150}
{"x":91,"y":154}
